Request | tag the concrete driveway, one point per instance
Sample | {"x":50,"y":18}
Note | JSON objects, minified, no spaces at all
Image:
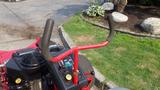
{"x":30,"y":15}
{"x":35,"y":12}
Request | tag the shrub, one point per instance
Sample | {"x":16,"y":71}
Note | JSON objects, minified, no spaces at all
{"x":95,"y":10}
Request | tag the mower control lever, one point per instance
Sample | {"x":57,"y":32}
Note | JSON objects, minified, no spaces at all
{"x":45,"y":45}
{"x":47,"y":35}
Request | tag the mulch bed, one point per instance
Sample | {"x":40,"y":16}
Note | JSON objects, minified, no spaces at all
{"x":136,"y":15}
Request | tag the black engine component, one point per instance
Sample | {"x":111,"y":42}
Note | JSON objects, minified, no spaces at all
{"x":63,"y":75}
{"x":26,"y":65}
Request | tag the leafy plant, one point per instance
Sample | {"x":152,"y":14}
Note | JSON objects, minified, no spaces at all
{"x":91,"y":11}
{"x":95,"y":10}
{"x":100,"y":10}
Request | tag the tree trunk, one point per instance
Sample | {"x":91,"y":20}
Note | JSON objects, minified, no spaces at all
{"x":120,"y":5}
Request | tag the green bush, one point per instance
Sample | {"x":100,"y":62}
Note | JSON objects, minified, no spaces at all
{"x":95,"y":10}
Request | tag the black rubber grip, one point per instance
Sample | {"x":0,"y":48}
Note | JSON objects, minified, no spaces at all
{"x":111,"y":28}
{"x":46,"y":38}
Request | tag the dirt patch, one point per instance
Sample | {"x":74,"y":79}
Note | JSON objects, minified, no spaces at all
{"x":119,"y":50}
{"x":10,"y":33}
{"x":85,"y":38}
{"x":28,"y":32}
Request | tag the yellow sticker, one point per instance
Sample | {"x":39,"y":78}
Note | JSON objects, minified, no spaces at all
{"x":18,"y":80}
{"x":68,"y":77}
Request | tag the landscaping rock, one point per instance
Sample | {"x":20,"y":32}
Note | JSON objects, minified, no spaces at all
{"x":119,"y":17}
{"x":151,"y":25}
{"x":108,"y":6}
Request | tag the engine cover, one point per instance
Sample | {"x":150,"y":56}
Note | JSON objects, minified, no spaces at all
{"x":25,"y":65}
{"x":28,"y":70}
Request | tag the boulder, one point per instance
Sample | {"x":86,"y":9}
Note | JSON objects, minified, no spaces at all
{"x":119,"y":17}
{"x":108,"y":6}
{"x":151,"y":25}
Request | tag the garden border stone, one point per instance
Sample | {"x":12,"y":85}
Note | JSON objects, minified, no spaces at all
{"x":100,"y":81}
{"x":122,"y":30}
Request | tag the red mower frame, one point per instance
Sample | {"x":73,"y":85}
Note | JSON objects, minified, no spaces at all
{"x":43,"y":44}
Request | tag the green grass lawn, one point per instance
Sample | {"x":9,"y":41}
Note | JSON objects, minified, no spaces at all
{"x":129,"y":61}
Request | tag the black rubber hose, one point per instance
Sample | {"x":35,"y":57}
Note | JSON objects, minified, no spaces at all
{"x":111,"y":28}
{"x":46,"y":38}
